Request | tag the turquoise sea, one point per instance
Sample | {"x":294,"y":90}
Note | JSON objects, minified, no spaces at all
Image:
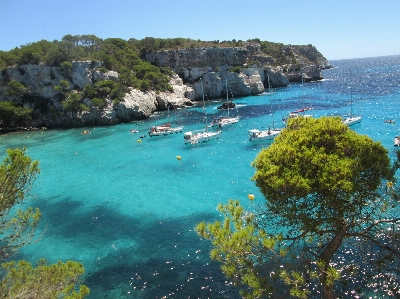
{"x":127,"y":209}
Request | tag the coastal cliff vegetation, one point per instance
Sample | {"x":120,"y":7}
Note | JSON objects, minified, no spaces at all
{"x":120,"y":66}
{"x":116,"y":53}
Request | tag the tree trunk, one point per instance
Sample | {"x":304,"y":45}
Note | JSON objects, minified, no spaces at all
{"x":326,"y":257}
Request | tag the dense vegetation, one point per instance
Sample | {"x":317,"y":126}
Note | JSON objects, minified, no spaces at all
{"x":19,"y":279}
{"x":117,"y":54}
{"x":328,"y":227}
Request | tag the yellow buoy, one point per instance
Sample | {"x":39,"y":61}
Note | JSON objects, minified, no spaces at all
{"x":139,"y":140}
{"x":251,"y":196}
{"x":179,"y":157}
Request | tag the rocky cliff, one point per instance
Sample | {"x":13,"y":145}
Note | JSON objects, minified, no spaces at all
{"x":41,"y":80}
{"x":254,"y":67}
{"x":246,"y":70}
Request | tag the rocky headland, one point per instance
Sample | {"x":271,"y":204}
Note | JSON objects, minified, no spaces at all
{"x":246,"y":69}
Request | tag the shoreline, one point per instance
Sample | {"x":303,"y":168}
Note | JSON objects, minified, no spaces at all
{"x":10,"y":130}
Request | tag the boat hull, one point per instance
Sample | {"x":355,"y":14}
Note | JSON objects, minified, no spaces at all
{"x":224,"y":121}
{"x":350,"y":121}
{"x":166,"y":131}
{"x":257,"y":135}
{"x":200,"y":137}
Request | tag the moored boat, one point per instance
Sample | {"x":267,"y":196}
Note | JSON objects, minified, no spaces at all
{"x":300,"y":112}
{"x":165,"y":129}
{"x":199,"y":136}
{"x":228,"y":119}
{"x":351,"y":119}
{"x":269,"y":134}
{"x":258,"y":135}
{"x":204,"y":135}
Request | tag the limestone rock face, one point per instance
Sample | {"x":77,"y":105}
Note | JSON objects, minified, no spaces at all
{"x":136,"y":105}
{"x":276,"y":77}
{"x":198,"y":57}
{"x":215,"y":64}
{"x":239,"y":84}
{"x":193,"y":63}
{"x":40,"y":79}
{"x":81,"y":74}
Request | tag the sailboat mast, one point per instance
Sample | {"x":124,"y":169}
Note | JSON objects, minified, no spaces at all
{"x":351,"y":93}
{"x":270,"y":100}
{"x":227,"y":99}
{"x":204,"y":103}
{"x":302,"y":87}
{"x":169,"y":116}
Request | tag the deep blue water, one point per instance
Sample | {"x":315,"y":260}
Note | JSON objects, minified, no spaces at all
{"x":127,"y":209}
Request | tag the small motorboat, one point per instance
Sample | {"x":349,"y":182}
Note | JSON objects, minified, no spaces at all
{"x":390,"y":121}
{"x":85,"y":132}
{"x":227,"y":105}
{"x":134,"y":131}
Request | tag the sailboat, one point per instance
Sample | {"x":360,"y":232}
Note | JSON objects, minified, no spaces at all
{"x":224,"y":120}
{"x":351,"y":120}
{"x":299,"y":112}
{"x":165,"y":129}
{"x":257,"y":135}
{"x":199,"y":136}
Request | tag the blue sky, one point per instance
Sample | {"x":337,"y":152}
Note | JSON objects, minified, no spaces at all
{"x":339,"y":29}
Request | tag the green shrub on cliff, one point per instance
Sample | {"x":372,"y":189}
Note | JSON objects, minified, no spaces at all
{"x":104,"y":89}
{"x":236,"y":69}
{"x":99,"y":103}
{"x":63,"y":86}
{"x":66,"y":66}
{"x":14,"y":114}
{"x":16,"y":88}
{"x":73,"y":104}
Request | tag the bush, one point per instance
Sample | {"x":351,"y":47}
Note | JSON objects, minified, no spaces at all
{"x":236,"y":69}
{"x":66,"y":66}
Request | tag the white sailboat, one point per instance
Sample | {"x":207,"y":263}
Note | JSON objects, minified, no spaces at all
{"x":270,"y":133}
{"x":165,"y":129}
{"x":200,"y":136}
{"x":224,"y":120}
{"x":351,"y":119}
{"x":300,"y":112}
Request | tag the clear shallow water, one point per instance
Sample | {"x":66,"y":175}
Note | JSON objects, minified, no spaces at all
{"x":127,"y":209}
